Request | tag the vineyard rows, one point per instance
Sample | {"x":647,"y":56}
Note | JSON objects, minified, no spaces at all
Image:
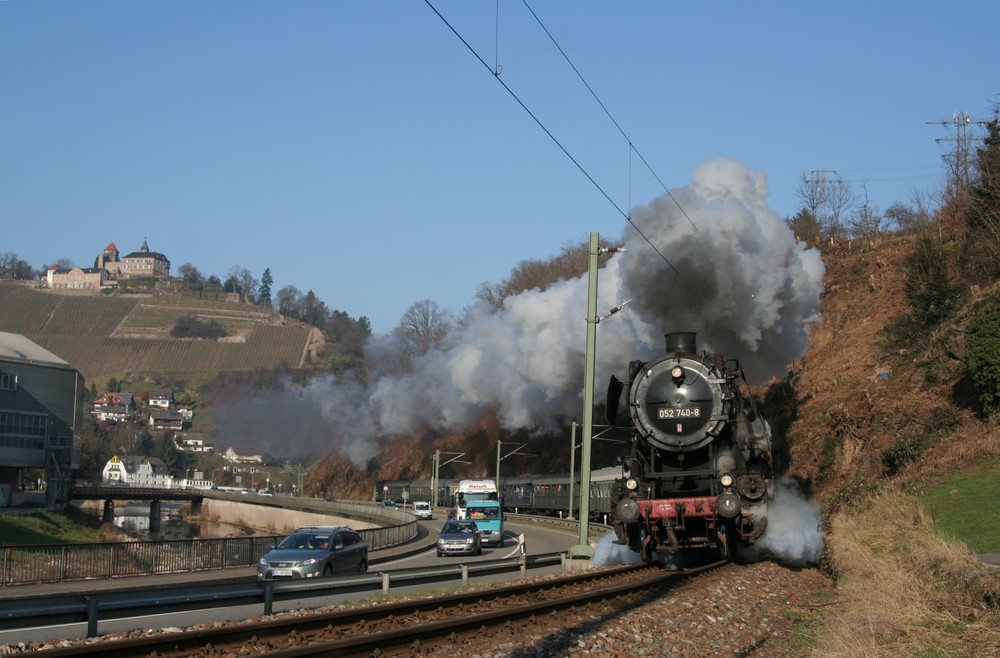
{"x":80,"y":328}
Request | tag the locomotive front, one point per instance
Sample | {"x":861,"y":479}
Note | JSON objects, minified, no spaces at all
{"x":699,"y":469}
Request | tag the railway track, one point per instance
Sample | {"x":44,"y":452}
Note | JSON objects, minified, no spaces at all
{"x":417,"y":627}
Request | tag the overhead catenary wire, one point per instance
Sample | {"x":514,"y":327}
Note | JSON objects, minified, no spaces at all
{"x":631,"y":144}
{"x":495,"y":73}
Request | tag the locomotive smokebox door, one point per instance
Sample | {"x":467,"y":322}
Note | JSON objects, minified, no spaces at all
{"x":676,"y":402}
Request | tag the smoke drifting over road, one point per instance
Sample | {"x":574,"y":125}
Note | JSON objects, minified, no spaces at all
{"x":744,"y":285}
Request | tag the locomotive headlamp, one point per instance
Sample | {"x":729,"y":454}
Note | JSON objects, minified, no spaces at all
{"x":677,"y":373}
{"x":728,"y":505}
{"x":631,"y":484}
{"x":627,"y":510}
{"x":726,"y":480}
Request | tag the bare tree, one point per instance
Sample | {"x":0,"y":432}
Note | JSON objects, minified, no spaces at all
{"x":839,"y":200}
{"x":812,"y":194}
{"x":422,"y":327}
{"x":866,"y":221}
{"x":289,"y":301}
{"x":828,"y":199}
{"x":242,"y":281}
{"x":571,"y":262}
{"x":248,"y":284}
{"x":12,"y":267}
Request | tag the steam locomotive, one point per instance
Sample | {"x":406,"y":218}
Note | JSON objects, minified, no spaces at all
{"x":699,"y":471}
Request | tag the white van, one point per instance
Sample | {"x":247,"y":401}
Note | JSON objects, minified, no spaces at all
{"x":423,"y":510}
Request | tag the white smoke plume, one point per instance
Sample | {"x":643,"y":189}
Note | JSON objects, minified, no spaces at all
{"x":609,"y":554}
{"x":794,"y":534}
{"x":744,"y":285}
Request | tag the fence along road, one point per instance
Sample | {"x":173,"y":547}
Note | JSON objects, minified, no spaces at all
{"x":52,"y":563}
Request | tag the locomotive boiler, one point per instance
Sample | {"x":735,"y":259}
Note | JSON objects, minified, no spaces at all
{"x":699,"y":472}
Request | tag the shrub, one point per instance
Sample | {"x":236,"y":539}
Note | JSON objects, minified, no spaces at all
{"x":190,"y":326}
{"x":982,"y":357}
{"x":929,"y":290}
{"x":931,"y":295}
{"x":940,"y":422}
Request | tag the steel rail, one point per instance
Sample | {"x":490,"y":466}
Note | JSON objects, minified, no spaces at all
{"x":277,"y":630}
{"x":427,"y":635}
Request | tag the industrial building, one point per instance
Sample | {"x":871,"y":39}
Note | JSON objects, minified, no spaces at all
{"x":41,"y":410}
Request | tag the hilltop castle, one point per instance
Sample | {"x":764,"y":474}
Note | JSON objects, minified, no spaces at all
{"x":109,"y":267}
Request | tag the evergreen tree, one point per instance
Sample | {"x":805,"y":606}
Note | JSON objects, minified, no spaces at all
{"x":264,"y":292}
{"x":981,"y":258}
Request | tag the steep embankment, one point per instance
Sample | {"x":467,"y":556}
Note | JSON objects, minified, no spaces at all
{"x":859,"y":413}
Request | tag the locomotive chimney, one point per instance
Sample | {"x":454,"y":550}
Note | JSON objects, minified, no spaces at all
{"x":681,"y":341}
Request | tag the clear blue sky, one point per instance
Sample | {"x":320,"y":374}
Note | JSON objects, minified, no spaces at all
{"x":358,"y":149}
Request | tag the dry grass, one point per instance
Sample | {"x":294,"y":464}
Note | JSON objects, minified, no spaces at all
{"x":904,"y":591}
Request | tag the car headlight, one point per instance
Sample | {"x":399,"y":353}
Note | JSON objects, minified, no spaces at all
{"x":263,"y":562}
{"x":311,"y":560}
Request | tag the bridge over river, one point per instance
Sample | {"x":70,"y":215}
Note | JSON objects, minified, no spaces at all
{"x":110,"y":493}
{"x":277,"y":513}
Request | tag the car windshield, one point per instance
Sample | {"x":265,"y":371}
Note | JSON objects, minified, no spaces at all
{"x":484,"y":512}
{"x":458,"y":528}
{"x":306,"y":540}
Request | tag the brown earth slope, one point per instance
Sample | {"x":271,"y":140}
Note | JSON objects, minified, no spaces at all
{"x":852,"y":399}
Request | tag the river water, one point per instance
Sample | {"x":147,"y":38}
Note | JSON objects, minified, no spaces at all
{"x":132,"y":520}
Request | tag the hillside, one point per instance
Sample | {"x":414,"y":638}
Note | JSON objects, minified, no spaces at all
{"x":855,"y":413}
{"x":110,"y":335}
{"x":844,"y":406}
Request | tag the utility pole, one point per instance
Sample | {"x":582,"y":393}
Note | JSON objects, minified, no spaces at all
{"x":436,"y":477}
{"x":583,"y":549}
{"x":572,"y":468}
{"x":299,"y":472}
{"x":961,"y":160}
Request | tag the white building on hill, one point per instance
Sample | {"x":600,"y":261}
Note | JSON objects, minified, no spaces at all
{"x":138,"y":472}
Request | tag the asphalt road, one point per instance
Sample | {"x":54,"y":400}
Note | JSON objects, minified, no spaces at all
{"x":415,"y":554}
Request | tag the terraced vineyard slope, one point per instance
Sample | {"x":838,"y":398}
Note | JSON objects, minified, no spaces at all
{"x":103,"y":335}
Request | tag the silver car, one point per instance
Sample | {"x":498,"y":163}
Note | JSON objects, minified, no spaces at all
{"x":459,"y":538}
{"x":313,"y":552}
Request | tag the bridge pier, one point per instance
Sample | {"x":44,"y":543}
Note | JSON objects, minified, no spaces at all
{"x":196,"y":505}
{"x":154,"y":516}
{"x":109,"y":512}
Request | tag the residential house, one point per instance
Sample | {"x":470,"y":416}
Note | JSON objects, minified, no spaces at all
{"x":138,"y":471}
{"x":230,"y":455}
{"x":111,"y":412}
{"x":122,"y":399}
{"x":113,"y":406}
{"x":192,"y":442}
{"x":161,"y":399}
{"x":165,"y":420}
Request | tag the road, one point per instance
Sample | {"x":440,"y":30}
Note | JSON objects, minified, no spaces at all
{"x":538,"y":540}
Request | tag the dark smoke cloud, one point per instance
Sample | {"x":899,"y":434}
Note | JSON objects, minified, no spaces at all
{"x":744,"y":285}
